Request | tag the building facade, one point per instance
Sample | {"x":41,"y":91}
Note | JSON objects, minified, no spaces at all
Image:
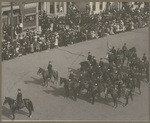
{"x":98,"y":7}
{"x":24,"y":14}
{"x":54,"y":8}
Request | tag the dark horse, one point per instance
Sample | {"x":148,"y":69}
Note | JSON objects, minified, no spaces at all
{"x":13,"y":105}
{"x":46,"y":76}
{"x":66,"y":85}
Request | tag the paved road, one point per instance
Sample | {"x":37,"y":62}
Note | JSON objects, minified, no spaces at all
{"x":49,"y":103}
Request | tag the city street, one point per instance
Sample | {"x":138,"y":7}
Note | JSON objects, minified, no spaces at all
{"x":49,"y":103}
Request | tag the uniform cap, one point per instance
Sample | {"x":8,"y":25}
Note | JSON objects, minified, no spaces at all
{"x":19,"y":89}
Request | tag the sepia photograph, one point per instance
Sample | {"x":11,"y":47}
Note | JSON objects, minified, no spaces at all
{"x":75,"y":61}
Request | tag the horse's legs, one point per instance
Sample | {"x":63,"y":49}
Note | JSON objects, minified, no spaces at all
{"x":13,"y":114}
{"x":99,"y":94}
{"x":43,"y":82}
{"x":115,"y":102}
{"x":66,"y":92}
{"x":131,"y":96}
{"x":106,"y":94}
{"x":30,"y":112}
{"x":46,"y":83}
{"x":75,"y":96}
{"x":93,"y":98}
{"x":139,"y":90}
{"x":127,"y":98}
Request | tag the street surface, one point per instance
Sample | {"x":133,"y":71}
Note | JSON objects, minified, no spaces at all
{"x":49,"y":103}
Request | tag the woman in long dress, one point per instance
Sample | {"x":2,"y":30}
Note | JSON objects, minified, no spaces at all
{"x":56,"y":40}
{"x":32,"y":48}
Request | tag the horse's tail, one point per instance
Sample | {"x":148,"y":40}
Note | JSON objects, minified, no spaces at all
{"x":31,"y":106}
{"x":57,"y":75}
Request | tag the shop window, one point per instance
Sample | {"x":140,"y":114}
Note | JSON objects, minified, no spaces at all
{"x":57,"y":6}
{"x":94,"y":6}
{"x":61,"y":6}
{"x":101,"y":6}
{"x":30,"y":18}
{"x":51,"y":7}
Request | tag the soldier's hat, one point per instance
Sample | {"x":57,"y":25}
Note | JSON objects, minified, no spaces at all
{"x":89,"y":52}
{"x":19,"y":90}
{"x":50,"y":62}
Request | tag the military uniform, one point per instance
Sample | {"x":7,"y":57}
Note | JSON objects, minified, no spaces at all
{"x":71,"y":76}
{"x":124,"y":48}
{"x":89,"y":58}
{"x":144,"y":58}
{"x":49,"y":69}
{"x":19,"y":99}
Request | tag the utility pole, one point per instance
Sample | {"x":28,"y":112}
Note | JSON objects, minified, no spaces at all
{"x":12,"y":30}
{"x":21,"y":7}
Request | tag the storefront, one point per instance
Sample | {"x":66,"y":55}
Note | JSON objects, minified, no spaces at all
{"x":54,"y":8}
{"x":29,"y":15}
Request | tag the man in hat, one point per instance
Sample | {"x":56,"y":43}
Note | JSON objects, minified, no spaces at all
{"x":101,"y":63}
{"x":124,"y":48}
{"x":144,"y":58}
{"x":19,"y":99}
{"x":89,"y":58}
{"x":113,"y":50}
{"x":94,"y":63}
{"x":49,"y":68}
{"x":71,"y":76}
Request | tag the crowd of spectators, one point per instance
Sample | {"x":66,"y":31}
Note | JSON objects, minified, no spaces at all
{"x":70,"y":29}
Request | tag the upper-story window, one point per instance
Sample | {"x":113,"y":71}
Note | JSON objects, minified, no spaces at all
{"x":101,"y":6}
{"x":94,"y":6}
{"x":60,"y":7}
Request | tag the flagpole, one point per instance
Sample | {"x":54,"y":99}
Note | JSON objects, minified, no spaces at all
{"x":12,"y":32}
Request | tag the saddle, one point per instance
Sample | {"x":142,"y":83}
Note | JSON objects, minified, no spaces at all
{"x":19,"y":105}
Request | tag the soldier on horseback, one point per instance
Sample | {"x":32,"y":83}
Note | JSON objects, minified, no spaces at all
{"x":113,"y":50}
{"x":101,"y":63}
{"x":144,"y":58}
{"x":124,"y":48}
{"x":19,"y":99}
{"x":50,"y":69}
{"x":89,"y":58}
{"x":71,"y":76}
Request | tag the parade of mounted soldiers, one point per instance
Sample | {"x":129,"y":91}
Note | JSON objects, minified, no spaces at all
{"x":120,"y":77}
{"x":116,"y":78}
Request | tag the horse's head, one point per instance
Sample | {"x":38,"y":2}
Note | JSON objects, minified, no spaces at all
{"x":39,"y":71}
{"x":5,"y":101}
{"x":61,"y":80}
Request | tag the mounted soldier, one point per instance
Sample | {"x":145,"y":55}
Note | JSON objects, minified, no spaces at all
{"x":50,"y":69}
{"x":113,"y":51}
{"x":94,"y":63}
{"x":144,"y":58}
{"x":89,"y":58}
{"x":71,"y":76}
{"x":124,"y":49}
{"x":101,"y":63}
{"x":19,"y":100}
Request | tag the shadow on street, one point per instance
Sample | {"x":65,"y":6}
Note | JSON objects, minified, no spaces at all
{"x":7,"y":112}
